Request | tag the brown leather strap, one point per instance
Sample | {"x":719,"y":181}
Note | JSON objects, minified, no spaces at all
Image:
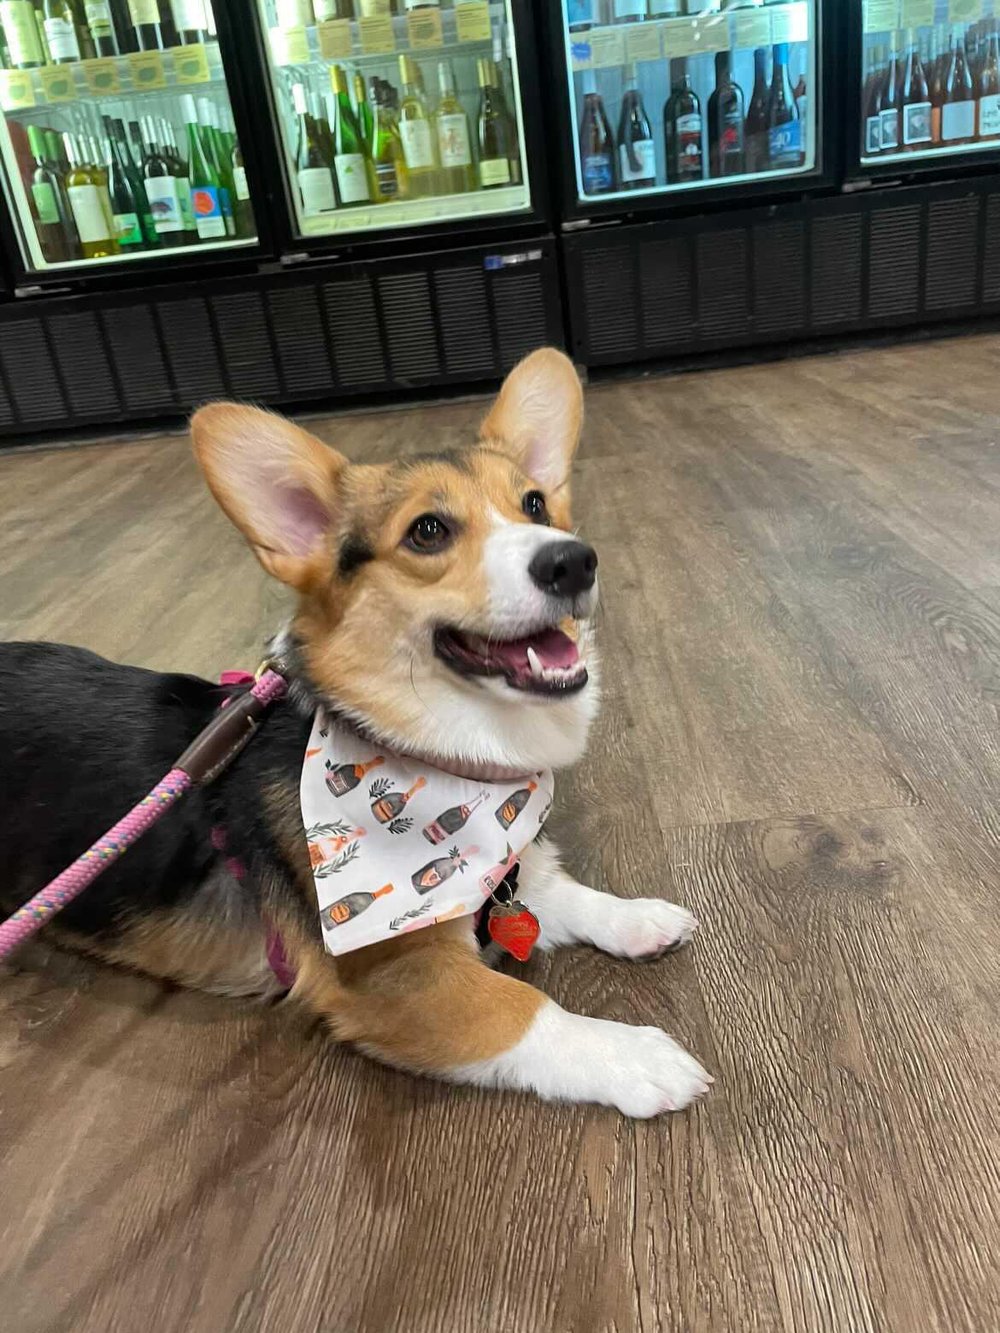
{"x":222,"y":740}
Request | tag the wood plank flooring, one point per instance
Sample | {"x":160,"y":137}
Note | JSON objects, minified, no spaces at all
{"x":801,"y":638}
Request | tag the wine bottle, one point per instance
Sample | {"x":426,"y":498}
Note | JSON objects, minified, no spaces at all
{"x":242,"y":206}
{"x":21,"y":32}
{"x":102,"y":28}
{"x":682,"y":128}
{"x":496,"y":135}
{"x":350,"y":152}
{"x":145,"y":16}
{"x":363,"y":113}
{"x":168,"y":142}
{"x":415,"y":132}
{"x":83,"y":186}
{"x":636,"y":149}
{"x":312,"y":170}
{"x":441,"y":868}
{"x":388,"y":804}
{"x":454,"y":144}
{"x":726,"y":141}
{"x":45,"y":188}
{"x":96,"y":160}
{"x":55,"y":156}
{"x":210,"y":132}
{"x":451,"y":820}
{"x":628,"y":11}
{"x":60,"y":31}
{"x":891,"y":102}
{"x":388,"y":160}
{"x":514,"y":804}
{"x":206,"y":184}
{"x":126,"y":208}
{"x":784,"y":126}
{"x":346,"y":908}
{"x":579,"y":15}
{"x":916,"y":98}
{"x":755,"y":130}
{"x":958,"y":112}
{"x":871,"y":127}
{"x":345,"y":777}
{"x":161,"y":190}
{"x":133,"y":170}
{"x":988,"y":103}
{"x":190,"y":20}
{"x":325,"y":849}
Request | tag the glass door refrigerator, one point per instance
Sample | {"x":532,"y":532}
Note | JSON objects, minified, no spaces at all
{"x":123,"y":152}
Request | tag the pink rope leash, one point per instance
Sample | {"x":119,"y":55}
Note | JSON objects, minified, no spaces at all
{"x":113,"y":844}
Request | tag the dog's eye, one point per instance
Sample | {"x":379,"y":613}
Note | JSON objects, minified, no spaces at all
{"x":533,"y":504}
{"x":428,"y":533}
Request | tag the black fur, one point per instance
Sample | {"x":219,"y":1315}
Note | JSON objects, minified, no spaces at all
{"x":354,"y":552}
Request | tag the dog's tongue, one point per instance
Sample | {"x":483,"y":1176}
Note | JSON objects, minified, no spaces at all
{"x":554,"y":649}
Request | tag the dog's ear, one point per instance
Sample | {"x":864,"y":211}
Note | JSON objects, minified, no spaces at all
{"x":537,"y":416}
{"x":277,"y":483}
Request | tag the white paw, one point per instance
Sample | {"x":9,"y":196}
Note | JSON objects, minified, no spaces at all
{"x":651,"y":1073}
{"x":643,"y":927}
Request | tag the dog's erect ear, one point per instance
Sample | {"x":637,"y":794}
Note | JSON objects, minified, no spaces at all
{"x":537,"y":416}
{"x":276,"y":482}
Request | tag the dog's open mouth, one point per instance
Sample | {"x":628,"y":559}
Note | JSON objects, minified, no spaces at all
{"x":546,"y":662}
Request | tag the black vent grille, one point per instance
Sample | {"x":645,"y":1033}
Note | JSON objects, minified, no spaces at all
{"x":189,"y":340}
{"x":723,"y":303}
{"x":519,"y":305}
{"x":779,"y":273}
{"x":409,"y":326}
{"x":353,"y":322}
{"x":246,"y":347}
{"x":30,"y":372}
{"x":79,"y":349}
{"x":667,"y":292}
{"x":6,"y":406}
{"x":610,"y":301}
{"x":894,"y":262}
{"x":135,"y":351}
{"x":952,"y":252}
{"x":301,"y":340}
{"x":465,"y":321}
{"x":991,"y":251}
{"x":835,"y":270}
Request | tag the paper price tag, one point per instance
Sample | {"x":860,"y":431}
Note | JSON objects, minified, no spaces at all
{"x":918,"y":13}
{"x":680,"y":38}
{"x":712,"y":33}
{"x":965,"y":11}
{"x":423,"y":27}
{"x":289,"y":46}
{"x":472,"y":22}
{"x":191,"y":63}
{"x":101,"y":76}
{"x":881,"y":15}
{"x":16,"y":89}
{"x":607,"y":47}
{"x":751,"y":29}
{"x":642,"y":42}
{"x":335,"y":39}
{"x":146,"y":70}
{"x":377,"y":36}
{"x":790,"y":23}
{"x":57,"y":83}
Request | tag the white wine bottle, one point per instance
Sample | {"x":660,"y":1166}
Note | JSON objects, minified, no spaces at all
{"x":20,"y":29}
{"x":419,"y":148}
{"x":453,"y":142}
{"x":60,"y":31}
{"x":313,"y":172}
{"x":90,"y":213}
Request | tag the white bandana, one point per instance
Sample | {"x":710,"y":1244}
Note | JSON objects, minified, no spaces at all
{"x":395,"y":845}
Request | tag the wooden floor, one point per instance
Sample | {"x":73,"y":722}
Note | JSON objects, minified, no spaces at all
{"x":801,"y":629}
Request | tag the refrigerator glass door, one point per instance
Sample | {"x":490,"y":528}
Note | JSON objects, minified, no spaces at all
{"x":671,"y":96}
{"x":396,"y":114}
{"x":117,"y":137}
{"x":930,"y":79}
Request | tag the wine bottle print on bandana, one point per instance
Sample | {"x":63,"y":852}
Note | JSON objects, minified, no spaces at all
{"x":388,"y":805}
{"x":452,"y":819}
{"x":435,"y":872}
{"x":351,"y":905}
{"x":514,"y":804}
{"x":345,"y":777}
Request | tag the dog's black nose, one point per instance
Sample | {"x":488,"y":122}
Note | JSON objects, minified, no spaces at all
{"x":564,"y":569}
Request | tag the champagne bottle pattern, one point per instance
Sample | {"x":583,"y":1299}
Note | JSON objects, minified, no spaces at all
{"x":325,"y":849}
{"x":352,"y":905}
{"x":452,"y":820}
{"x":386,"y":804}
{"x":514,"y":804}
{"x":441,"y":868}
{"x":345,"y":777}
{"x":495,"y":876}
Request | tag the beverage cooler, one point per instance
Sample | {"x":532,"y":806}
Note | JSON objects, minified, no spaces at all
{"x":290,"y":201}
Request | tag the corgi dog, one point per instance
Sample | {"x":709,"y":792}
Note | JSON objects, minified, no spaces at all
{"x":443,"y":608}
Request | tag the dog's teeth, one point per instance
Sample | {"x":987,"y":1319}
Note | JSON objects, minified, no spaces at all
{"x":536,"y":666}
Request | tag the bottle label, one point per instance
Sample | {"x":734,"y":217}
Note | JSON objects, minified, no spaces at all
{"x":387,"y":180}
{"x":240,"y":181}
{"x":164,"y":205}
{"x":689,"y":159}
{"x":731,"y":142}
{"x":453,"y":140}
{"x":144,"y":11}
{"x":641,"y":164}
{"x":873,"y":136}
{"x":785,"y":143}
{"x":418,"y":147}
{"x":917,"y":123}
{"x":422,"y":4}
{"x":889,"y":129}
{"x":61,"y":37}
{"x":989,"y":116}
{"x":316,"y":188}
{"x":352,"y":177}
{"x":88,"y":213}
{"x":958,"y":120}
{"x":494,"y":171}
{"x":127,"y":229}
{"x":207,"y":206}
{"x":45,"y":202}
{"x":579,"y":13}
{"x":24,"y":44}
{"x":99,"y":18}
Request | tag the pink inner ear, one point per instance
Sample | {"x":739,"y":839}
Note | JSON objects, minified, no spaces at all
{"x":299,"y":518}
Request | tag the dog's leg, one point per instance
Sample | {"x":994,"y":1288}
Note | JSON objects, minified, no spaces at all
{"x":427,"y":1003}
{"x":570,"y":913}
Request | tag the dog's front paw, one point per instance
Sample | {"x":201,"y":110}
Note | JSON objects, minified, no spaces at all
{"x":643,"y":927}
{"x":650,"y":1073}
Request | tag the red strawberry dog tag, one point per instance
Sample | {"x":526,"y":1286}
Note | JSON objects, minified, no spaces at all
{"x":515,"y":928}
